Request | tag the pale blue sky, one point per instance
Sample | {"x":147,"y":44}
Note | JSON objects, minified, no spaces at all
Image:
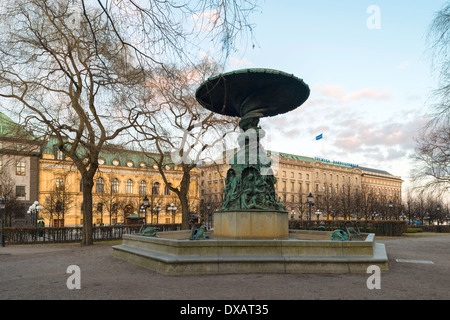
{"x":369,"y":88}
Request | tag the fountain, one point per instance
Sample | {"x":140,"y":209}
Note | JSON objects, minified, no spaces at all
{"x":251,"y":232}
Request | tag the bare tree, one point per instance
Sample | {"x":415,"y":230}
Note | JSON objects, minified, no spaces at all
{"x":180,"y":132}
{"x":68,"y":82}
{"x":432,"y":155}
{"x":76,"y":69}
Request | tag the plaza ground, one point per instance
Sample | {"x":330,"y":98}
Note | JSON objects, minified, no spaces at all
{"x":39,"y":272}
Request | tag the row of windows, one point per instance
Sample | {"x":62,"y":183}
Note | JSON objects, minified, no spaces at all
{"x":129,"y":186}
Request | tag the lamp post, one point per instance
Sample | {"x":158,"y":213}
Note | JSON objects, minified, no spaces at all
{"x":157,"y":209}
{"x":172,"y":210}
{"x":2,"y":208}
{"x":145,"y":205}
{"x":391,"y":204}
{"x":208,"y":210}
{"x":33,"y":210}
{"x":438,"y":210}
{"x":310,"y":199}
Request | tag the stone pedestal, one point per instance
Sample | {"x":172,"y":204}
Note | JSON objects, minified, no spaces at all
{"x":251,"y":224}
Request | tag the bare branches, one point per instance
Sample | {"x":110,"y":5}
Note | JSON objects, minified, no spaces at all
{"x":432,"y":155}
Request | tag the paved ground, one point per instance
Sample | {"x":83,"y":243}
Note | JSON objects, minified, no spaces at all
{"x":39,"y":272}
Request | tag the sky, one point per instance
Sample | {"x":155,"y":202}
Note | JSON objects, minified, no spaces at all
{"x":369,"y":71}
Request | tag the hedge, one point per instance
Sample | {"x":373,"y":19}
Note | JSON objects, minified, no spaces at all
{"x":379,"y":227}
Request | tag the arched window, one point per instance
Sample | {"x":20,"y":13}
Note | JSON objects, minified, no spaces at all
{"x":142,"y":187}
{"x":115,"y":185}
{"x":100,"y":185}
{"x":129,"y":186}
{"x":155,"y":188}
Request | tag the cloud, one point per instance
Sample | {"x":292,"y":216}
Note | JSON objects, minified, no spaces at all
{"x":336,"y":94}
{"x":207,"y":20}
{"x":330,"y":90}
{"x":240,"y":63}
{"x":404,"y":65}
{"x":367,"y":93}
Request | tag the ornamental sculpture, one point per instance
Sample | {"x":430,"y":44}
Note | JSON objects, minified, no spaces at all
{"x":251,"y":94}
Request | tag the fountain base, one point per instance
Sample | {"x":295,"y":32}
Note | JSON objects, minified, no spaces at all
{"x":251,"y":224}
{"x":172,"y":253}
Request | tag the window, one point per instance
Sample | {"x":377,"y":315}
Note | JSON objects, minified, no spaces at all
{"x":59,"y":183}
{"x":155,"y":188}
{"x":167,"y":191}
{"x":20,"y":168}
{"x":142,"y":187}
{"x":81,"y":185}
{"x":115,"y":185}
{"x":20,"y":191}
{"x":99,"y":207}
{"x":100,"y":185}
{"x":129,"y":186}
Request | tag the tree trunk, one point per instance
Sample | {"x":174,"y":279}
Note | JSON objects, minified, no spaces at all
{"x":88,"y":183}
{"x":183,"y":195}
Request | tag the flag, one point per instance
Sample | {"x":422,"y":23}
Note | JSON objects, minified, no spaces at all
{"x":320,"y":136}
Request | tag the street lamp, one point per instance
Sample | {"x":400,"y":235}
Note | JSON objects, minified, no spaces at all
{"x":145,"y":205}
{"x":427,"y":217}
{"x":310,"y":199}
{"x":208,"y":208}
{"x":34,"y":211}
{"x":438,"y":209}
{"x":391,"y":204}
{"x":318,"y":213}
{"x":172,"y":209}
{"x":157,"y":209}
{"x":2,"y":208}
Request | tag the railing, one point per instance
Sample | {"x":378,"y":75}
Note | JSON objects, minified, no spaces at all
{"x":28,"y":235}
{"x":379,"y":227}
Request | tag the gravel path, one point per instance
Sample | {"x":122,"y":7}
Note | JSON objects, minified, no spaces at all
{"x":39,"y":272}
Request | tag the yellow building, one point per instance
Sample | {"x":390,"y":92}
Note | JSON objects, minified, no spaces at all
{"x":298,"y":176}
{"x":123,"y":179}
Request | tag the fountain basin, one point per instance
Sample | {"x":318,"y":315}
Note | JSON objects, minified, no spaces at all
{"x":172,"y":253}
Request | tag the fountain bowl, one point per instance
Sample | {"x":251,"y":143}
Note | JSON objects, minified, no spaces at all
{"x":172,"y":253}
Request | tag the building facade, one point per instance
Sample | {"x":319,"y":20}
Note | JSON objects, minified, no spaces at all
{"x":123,"y":179}
{"x":19,"y":171}
{"x":339,"y":189}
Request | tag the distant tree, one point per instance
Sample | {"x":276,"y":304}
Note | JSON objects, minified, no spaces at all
{"x":432,"y":155}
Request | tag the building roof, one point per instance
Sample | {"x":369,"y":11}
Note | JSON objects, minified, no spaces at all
{"x":9,"y":129}
{"x":329,"y":162}
{"x":112,"y":155}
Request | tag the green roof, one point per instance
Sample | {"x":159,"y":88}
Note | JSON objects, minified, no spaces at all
{"x":10,"y":129}
{"x":111,"y":153}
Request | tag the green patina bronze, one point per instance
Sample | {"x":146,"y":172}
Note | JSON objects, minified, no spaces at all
{"x":148,"y":232}
{"x":198,"y":233}
{"x":251,"y":94}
